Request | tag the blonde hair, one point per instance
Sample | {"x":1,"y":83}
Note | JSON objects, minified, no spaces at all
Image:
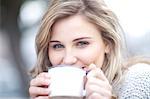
{"x":97,"y":13}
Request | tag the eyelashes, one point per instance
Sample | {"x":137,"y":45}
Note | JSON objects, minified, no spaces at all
{"x":79,"y":44}
{"x":57,"y":46}
{"x":82,"y":44}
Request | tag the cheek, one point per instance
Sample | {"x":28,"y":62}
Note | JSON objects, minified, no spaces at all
{"x":54,"y":57}
{"x":93,"y":55}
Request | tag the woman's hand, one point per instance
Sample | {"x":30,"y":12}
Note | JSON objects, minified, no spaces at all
{"x":39,"y":86}
{"x":97,"y":85}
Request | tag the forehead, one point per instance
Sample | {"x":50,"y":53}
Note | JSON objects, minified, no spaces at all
{"x":74,"y":25}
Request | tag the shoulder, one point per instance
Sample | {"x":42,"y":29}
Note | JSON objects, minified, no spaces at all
{"x":136,"y":83}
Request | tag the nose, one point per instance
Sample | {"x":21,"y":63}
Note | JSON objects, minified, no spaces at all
{"x":69,"y":58}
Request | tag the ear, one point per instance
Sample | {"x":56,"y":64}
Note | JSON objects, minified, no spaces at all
{"x":107,"y":48}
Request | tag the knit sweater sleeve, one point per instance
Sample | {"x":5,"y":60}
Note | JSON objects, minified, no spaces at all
{"x":136,"y":84}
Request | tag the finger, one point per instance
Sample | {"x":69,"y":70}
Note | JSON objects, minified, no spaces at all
{"x":94,"y":96}
{"x":98,"y":82}
{"x":44,"y":75}
{"x":96,"y":89}
{"x":91,"y":67}
{"x":37,"y":91}
{"x":40,"y":82}
{"x":98,"y":73}
{"x":101,"y":74}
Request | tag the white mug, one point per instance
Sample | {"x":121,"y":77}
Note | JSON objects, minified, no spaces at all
{"x":67,"y":81}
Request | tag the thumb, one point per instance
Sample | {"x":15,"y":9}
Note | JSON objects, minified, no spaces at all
{"x":91,"y":67}
{"x":91,"y":72}
{"x":95,"y":72}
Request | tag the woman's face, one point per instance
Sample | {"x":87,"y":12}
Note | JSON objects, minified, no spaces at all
{"x":75,"y":41}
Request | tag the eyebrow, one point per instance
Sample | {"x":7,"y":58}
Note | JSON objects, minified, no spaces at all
{"x":54,"y":41}
{"x":73,"y":40}
{"x":81,"y":38}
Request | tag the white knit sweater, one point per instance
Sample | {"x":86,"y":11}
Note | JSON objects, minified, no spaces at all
{"x":136,"y":84}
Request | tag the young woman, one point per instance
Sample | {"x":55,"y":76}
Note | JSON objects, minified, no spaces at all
{"x":84,"y":33}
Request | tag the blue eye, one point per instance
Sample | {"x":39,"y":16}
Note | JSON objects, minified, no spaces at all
{"x":82,"y":44}
{"x":57,"y":46}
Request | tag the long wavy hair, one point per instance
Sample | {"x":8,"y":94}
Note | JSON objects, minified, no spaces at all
{"x":98,"y":14}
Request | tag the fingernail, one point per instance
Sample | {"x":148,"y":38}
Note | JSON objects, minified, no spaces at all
{"x":92,"y":65}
